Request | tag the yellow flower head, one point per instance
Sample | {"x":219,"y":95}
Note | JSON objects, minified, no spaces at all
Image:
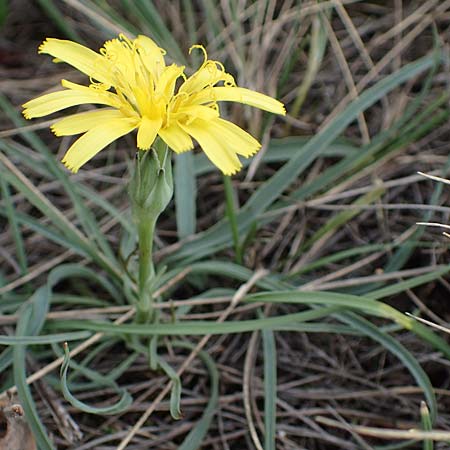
{"x":131,"y":78}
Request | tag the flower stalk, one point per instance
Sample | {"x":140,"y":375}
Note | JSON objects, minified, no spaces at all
{"x":146,"y":231}
{"x":150,"y":191}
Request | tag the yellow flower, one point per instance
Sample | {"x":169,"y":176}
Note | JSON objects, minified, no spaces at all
{"x":131,"y":78}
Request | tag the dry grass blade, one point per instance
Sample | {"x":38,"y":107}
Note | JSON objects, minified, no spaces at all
{"x":246,"y":388}
{"x":345,"y":69}
{"x":429,"y":323}
{"x":386,"y":433}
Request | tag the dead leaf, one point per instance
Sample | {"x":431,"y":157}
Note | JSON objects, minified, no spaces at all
{"x":15,"y":434}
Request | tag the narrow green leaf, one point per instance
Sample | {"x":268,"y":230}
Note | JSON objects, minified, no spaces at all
{"x":175,"y":392}
{"x":148,"y":15}
{"x":46,"y":339}
{"x":20,"y":380}
{"x":194,"y":439}
{"x":391,"y":344}
{"x":270,"y":389}
{"x":6,"y":359}
{"x":199,"y":327}
{"x":13,"y":223}
{"x":124,"y":402}
{"x":231,"y":212}
{"x":344,"y":217}
{"x":317,"y":46}
{"x":185,"y":194}
{"x":408,"y":284}
{"x":427,"y":425}
{"x":55,"y":15}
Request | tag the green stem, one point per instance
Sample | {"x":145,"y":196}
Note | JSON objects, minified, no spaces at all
{"x":231,"y":213}
{"x":146,"y":230}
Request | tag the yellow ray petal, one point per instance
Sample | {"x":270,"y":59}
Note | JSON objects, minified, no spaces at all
{"x":166,"y":83}
{"x":208,"y":75}
{"x":152,"y":55}
{"x":197,"y":111}
{"x":215,"y":148}
{"x":240,"y":95}
{"x":176,"y":138}
{"x":78,"y":56}
{"x":55,"y":101}
{"x":82,"y":122}
{"x":238,"y":140}
{"x":148,"y":129}
{"x":96,"y":139}
{"x":82,"y":88}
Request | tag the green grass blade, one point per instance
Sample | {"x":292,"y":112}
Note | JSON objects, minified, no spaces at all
{"x":213,"y":18}
{"x":344,"y":217}
{"x":185,"y":194}
{"x":270,"y":389}
{"x":229,"y":270}
{"x":317,"y":46}
{"x":46,"y":339}
{"x":124,"y":402}
{"x":401,"y":286}
{"x":361,"y":304}
{"x":280,"y":150}
{"x":175,"y":392}
{"x":13,"y":223}
{"x":71,"y":271}
{"x":199,"y":327}
{"x":194,"y":439}
{"x":16,"y":179}
{"x":190,"y":15}
{"x":339,"y":256}
{"x":108,"y":207}
{"x":148,"y":15}
{"x":6,"y":359}
{"x":55,"y":15}
{"x":231,"y":208}
{"x":106,"y":18}
{"x":388,"y":342}
{"x":427,"y":425}
{"x":48,"y":232}
{"x":20,"y":380}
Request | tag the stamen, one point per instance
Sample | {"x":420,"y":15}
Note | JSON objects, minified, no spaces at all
{"x":98,"y":85}
{"x":205,"y":55}
{"x":126,"y":42}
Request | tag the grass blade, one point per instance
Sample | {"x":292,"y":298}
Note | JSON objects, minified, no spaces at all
{"x":270,"y":389}
{"x":55,"y":15}
{"x":13,"y":223}
{"x":195,"y":437}
{"x":124,"y":402}
{"x":46,"y":339}
{"x":185,"y":194}
{"x":426,"y":425}
{"x":388,"y":342}
{"x":20,"y":380}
